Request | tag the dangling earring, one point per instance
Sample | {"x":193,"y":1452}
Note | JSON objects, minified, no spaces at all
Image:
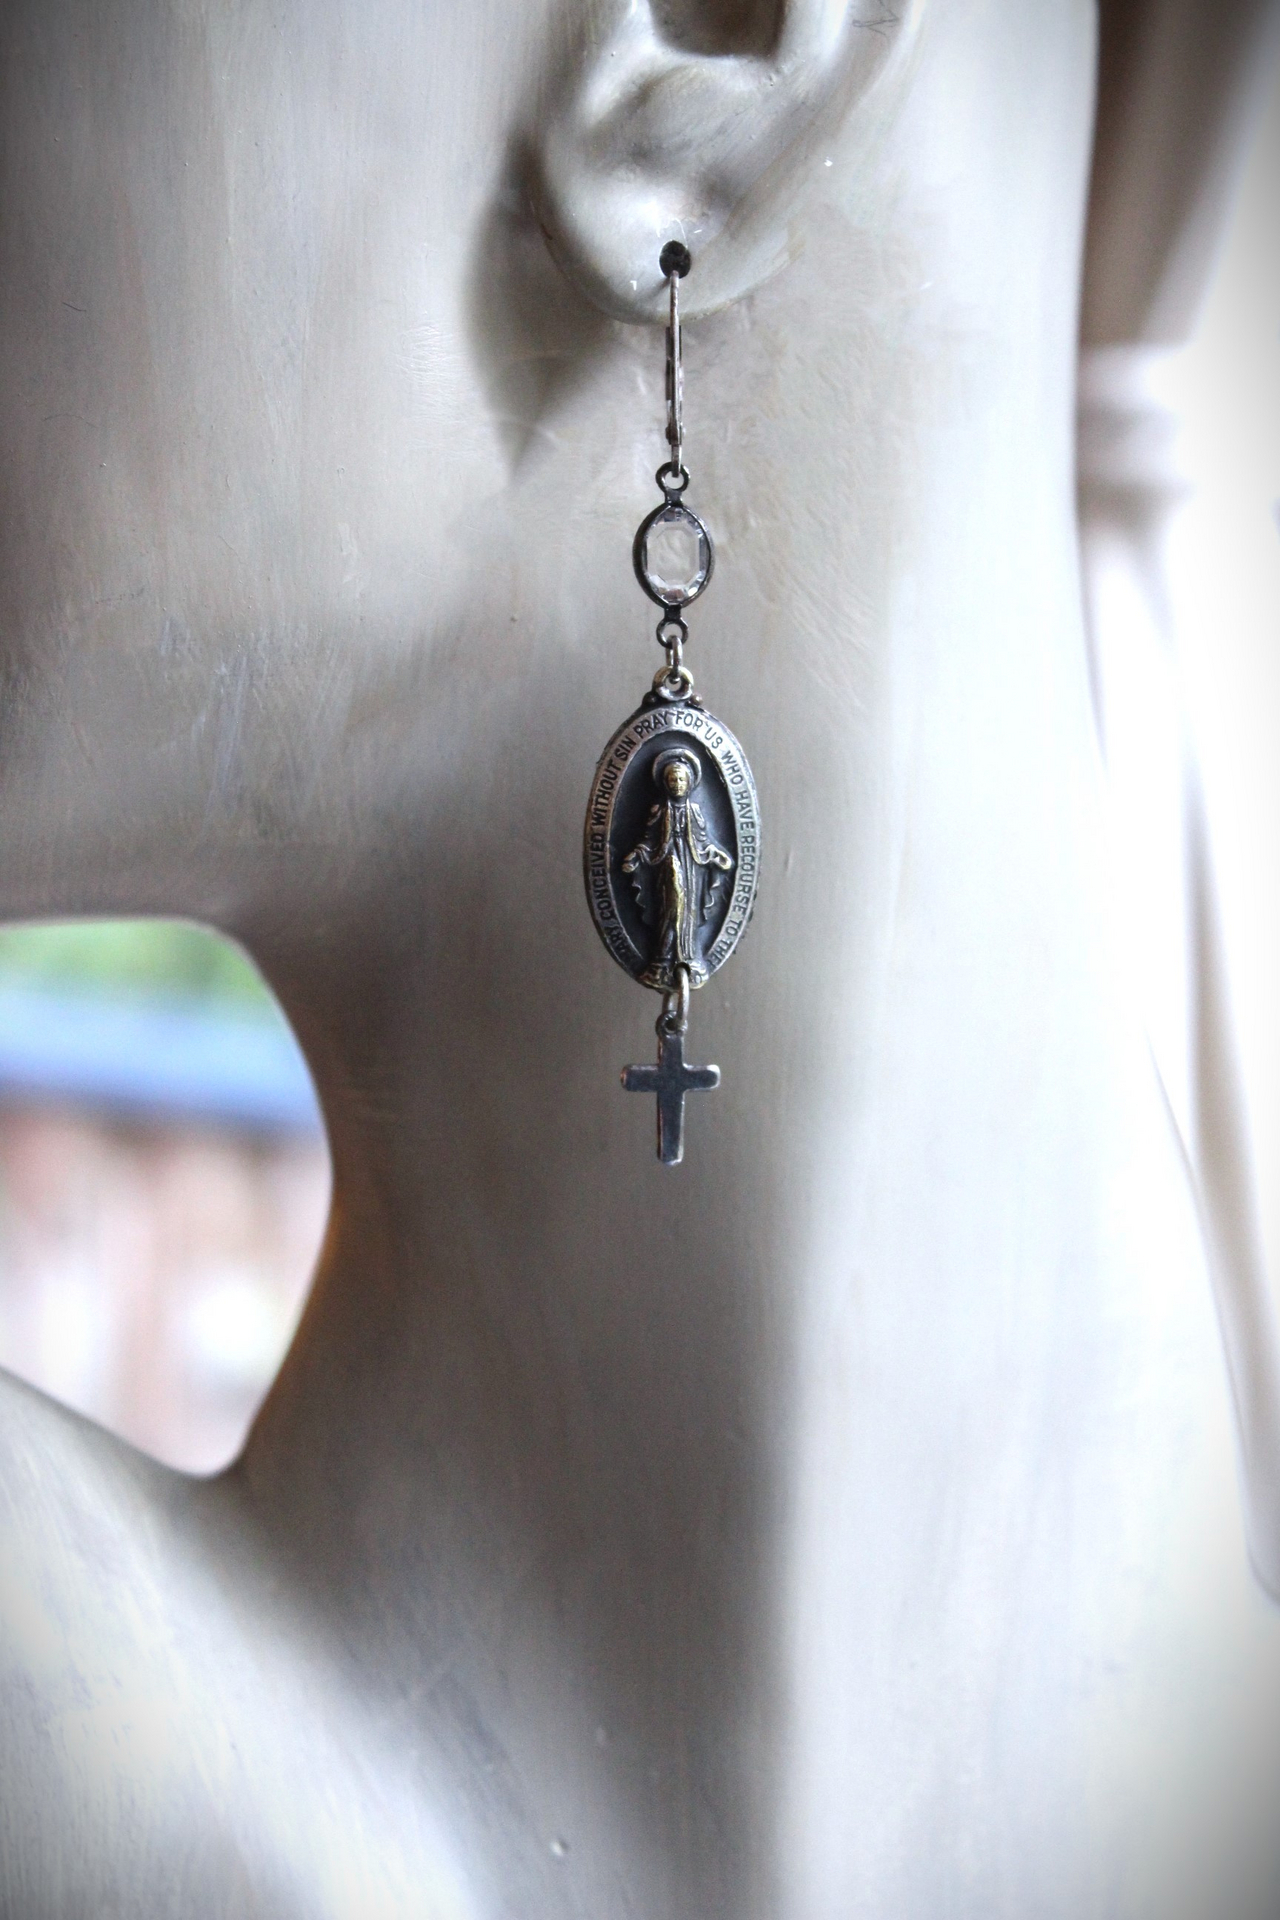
{"x":672,"y":843}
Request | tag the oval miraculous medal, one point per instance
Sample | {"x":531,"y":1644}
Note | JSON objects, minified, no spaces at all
{"x":672,"y":842}
{"x":671,"y":847}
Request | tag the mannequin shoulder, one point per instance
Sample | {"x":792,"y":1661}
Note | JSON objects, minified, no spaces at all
{"x":173,"y":1737}
{"x":88,"y":1679}
{"x":75,"y":1512}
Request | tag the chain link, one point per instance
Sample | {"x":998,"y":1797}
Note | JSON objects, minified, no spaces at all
{"x":673,"y":683}
{"x":674,"y":1018}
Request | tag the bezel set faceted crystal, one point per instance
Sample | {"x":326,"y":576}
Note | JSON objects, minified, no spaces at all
{"x":672,"y":593}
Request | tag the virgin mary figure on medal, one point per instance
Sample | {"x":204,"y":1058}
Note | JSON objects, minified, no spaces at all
{"x":685,"y":864}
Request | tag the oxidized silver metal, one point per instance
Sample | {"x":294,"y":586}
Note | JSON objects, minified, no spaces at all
{"x":675,"y":263}
{"x":671,"y":847}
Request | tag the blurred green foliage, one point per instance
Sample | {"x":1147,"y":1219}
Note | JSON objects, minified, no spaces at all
{"x":155,"y":959}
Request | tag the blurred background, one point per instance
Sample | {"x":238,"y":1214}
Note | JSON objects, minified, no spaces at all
{"x":164,"y":1180}
{"x":1179,"y":480}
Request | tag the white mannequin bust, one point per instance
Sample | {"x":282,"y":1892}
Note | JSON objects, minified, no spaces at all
{"x":847,"y":1522}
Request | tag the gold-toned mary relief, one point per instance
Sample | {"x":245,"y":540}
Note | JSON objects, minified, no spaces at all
{"x":677,"y":868}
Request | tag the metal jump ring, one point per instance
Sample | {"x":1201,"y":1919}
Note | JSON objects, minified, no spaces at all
{"x":672,"y":478}
{"x":674,"y":1017}
{"x":673,"y":683}
{"x":672,"y":633}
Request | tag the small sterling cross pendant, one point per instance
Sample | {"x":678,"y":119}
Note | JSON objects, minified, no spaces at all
{"x":670,"y":1080}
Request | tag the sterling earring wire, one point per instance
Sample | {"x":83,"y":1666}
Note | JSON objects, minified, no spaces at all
{"x":672,"y":842}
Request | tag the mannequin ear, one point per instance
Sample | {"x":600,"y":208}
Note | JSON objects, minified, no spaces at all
{"x":667,"y":129}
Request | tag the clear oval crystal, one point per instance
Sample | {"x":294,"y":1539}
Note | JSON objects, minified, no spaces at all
{"x":673,"y":555}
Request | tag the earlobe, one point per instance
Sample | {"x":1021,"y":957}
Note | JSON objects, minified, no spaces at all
{"x":655,"y":138}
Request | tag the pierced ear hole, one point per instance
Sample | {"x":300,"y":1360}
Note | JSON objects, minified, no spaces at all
{"x":164,"y":1180}
{"x":720,"y":26}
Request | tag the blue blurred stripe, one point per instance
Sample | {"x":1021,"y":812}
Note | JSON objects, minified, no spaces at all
{"x":154,"y":1061}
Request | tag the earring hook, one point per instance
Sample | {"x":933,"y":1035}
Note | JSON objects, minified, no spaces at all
{"x":675,"y":261}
